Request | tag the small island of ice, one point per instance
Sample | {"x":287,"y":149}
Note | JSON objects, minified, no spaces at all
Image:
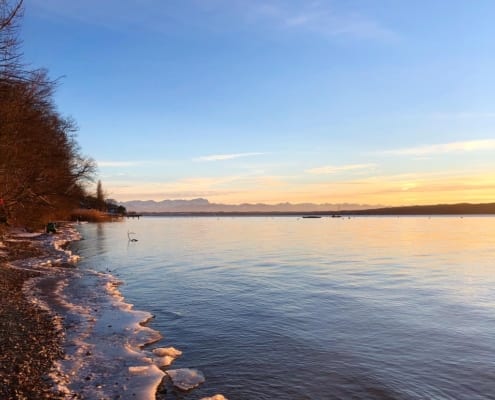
{"x":167,"y":351}
{"x":185,"y":378}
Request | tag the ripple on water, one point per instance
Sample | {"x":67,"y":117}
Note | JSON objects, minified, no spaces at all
{"x":367,"y":308}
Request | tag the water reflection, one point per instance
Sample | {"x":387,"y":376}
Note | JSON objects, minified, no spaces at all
{"x":365,"y":308}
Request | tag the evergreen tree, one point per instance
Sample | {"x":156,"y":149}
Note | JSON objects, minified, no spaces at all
{"x":100,"y":197}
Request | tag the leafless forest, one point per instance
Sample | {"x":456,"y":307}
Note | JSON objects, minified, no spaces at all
{"x":42,"y":171}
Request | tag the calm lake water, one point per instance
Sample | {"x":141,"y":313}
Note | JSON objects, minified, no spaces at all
{"x":330,"y":308}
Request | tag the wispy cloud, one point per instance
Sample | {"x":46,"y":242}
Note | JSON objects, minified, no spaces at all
{"x":185,"y":188}
{"x":223,"y":157}
{"x":320,"y":18}
{"x":442,"y":148}
{"x":317,"y":17}
{"x":334,"y":169}
{"x":475,"y":185}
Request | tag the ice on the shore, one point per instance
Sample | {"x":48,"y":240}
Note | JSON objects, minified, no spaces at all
{"x":145,"y":370}
{"x":164,"y":361}
{"x":167,"y":351}
{"x":26,"y":235}
{"x":165,"y":356}
{"x":186,"y":378}
{"x":66,"y":236}
{"x":104,"y":340}
{"x":54,"y":244}
{"x":145,"y":388}
{"x":103,"y":335}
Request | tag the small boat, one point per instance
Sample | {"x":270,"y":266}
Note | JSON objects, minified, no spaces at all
{"x":336,"y":216}
{"x":311,"y":216}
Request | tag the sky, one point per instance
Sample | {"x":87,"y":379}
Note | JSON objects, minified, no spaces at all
{"x":359,"y":101}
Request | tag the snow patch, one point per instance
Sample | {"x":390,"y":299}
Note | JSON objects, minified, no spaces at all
{"x":26,"y":235}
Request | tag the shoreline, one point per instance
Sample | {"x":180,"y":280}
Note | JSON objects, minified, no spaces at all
{"x":29,"y":339}
{"x":69,"y":333}
{"x":40,"y":326}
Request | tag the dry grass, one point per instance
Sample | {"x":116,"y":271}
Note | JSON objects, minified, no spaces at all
{"x":92,"y":215}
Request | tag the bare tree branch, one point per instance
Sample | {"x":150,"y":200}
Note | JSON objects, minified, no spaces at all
{"x":11,"y":15}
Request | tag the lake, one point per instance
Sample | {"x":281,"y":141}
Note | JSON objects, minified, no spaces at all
{"x":330,"y":308}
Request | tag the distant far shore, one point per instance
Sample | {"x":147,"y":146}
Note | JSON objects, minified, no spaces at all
{"x":438,"y":209}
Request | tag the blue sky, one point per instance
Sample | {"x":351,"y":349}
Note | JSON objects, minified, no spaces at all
{"x":376,"y":102}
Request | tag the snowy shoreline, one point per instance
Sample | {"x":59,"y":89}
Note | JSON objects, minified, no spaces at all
{"x":106,"y":342}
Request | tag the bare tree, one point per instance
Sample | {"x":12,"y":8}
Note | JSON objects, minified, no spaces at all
{"x":10,"y":54}
{"x":9,"y":13}
{"x":42,"y":171}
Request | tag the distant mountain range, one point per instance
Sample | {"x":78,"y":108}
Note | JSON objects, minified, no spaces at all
{"x":204,"y":206}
